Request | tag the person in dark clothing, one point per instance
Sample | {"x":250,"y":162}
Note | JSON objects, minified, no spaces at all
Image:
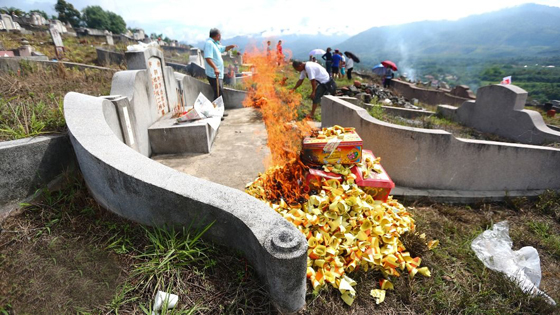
{"x":328,"y":59}
{"x":389,"y":75}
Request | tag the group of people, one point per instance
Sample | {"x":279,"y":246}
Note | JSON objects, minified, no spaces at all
{"x":279,"y":53}
{"x":321,"y":79}
{"x":337,"y":64}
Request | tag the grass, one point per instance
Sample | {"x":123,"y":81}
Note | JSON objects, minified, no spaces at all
{"x":65,"y":254}
{"x":80,"y":50}
{"x":31,"y":101}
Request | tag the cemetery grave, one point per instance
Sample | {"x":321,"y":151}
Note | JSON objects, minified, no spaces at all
{"x":114,"y":139}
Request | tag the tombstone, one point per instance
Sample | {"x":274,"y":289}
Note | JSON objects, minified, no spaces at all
{"x":154,"y":92}
{"x":57,"y":40}
{"x":139,"y":35}
{"x":110,"y":40}
{"x":25,"y":50}
{"x":462,"y":91}
{"x":499,"y":109}
{"x":55,"y":35}
{"x":2,"y":25}
{"x":17,"y":26}
{"x":161,"y":77}
{"x":196,"y":57}
{"x":8,"y":22}
{"x":58,"y":25}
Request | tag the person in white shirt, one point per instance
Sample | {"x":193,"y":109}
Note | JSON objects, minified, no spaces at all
{"x":321,"y":82}
{"x":349,"y":67}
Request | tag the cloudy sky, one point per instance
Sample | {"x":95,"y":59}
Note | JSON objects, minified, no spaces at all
{"x":189,"y":21}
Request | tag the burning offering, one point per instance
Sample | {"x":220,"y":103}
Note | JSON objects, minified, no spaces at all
{"x":334,"y":192}
{"x":345,"y":226}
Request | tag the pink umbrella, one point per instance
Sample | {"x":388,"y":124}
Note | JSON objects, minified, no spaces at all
{"x":389,"y":64}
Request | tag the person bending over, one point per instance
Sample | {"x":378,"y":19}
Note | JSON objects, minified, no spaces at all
{"x":321,"y":82}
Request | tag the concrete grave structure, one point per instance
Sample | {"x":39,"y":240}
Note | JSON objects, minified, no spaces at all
{"x":55,"y":35}
{"x":434,"y":164}
{"x":139,"y":35}
{"x":111,"y":139}
{"x":8,"y":22}
{"x":498,"y":109}
{"x":59,"y":26}
{"x":28,"y":165}
{"x":196,"y":57}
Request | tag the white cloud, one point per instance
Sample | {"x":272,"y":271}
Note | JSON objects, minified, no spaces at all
{"x":190,"y":20}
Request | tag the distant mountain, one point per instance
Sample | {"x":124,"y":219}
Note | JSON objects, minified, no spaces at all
{"x":526,"y":30}
{"x":299,"y":45}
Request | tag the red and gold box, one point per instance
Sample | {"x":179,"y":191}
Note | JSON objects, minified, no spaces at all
{"x":342,"y":149}
{"x":378,"y":185}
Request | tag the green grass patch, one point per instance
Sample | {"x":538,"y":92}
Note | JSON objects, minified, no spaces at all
{"x":31,"y":101}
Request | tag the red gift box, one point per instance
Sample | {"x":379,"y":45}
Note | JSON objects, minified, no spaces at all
{"x":378,"y":185}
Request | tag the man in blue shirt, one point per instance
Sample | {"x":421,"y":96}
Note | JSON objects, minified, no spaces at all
{"x":336,"y":58}
{"x":213,"y":61}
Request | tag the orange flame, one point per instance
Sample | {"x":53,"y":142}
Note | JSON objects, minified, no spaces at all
{"x":278,"y":106}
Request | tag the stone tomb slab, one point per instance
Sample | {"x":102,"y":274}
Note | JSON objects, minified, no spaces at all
{"x":169,"y":137}
{"x":239,"y":152}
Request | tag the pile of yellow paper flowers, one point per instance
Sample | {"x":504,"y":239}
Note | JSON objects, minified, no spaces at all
{"x":347,"y":229}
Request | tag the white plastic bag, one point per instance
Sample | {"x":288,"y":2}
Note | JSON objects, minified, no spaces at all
{"x":493,"y":248}
{"x":162,"y":298}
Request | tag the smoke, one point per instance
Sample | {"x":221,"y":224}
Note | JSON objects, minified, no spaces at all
{"x":405,"y":65}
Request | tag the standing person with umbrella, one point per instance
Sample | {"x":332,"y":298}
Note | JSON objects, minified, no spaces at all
{"x":328,"y":59}
{"x":350,"y":63}
{"x":389,"y":75}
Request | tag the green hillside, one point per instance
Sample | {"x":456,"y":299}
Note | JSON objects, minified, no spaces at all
{"x":527,"y":30}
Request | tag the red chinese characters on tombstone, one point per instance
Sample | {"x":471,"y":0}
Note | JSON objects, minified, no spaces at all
{"x":159,"y":86}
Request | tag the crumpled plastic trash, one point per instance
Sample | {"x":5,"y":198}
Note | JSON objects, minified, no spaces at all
{"x":141,"y":46}
{"x":162,"y":298}
{"x":493,"y":248}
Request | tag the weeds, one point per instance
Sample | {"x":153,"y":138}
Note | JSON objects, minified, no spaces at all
{"x":104,"y":264}
{"x":169,"y":251}
{"x":31,"y":103}
{"x":549,"y":204}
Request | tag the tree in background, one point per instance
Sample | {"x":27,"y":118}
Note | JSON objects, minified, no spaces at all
{"x":67,"y":13}
{"x":117,"y":25}
{"x":10,"y":10}
{"x":95,"y":17}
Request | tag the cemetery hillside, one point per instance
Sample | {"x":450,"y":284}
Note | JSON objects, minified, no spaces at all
{"x":285,"y":167}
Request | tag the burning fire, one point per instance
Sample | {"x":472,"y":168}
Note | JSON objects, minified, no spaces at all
{"x":278,"y":106}
{"x":345,"y":227}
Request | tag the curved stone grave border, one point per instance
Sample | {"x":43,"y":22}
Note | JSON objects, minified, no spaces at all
{"x":29,"y":164}
{"x":140,"y":189}
{"x":435,"y":164}
{"x":499,"y":109}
